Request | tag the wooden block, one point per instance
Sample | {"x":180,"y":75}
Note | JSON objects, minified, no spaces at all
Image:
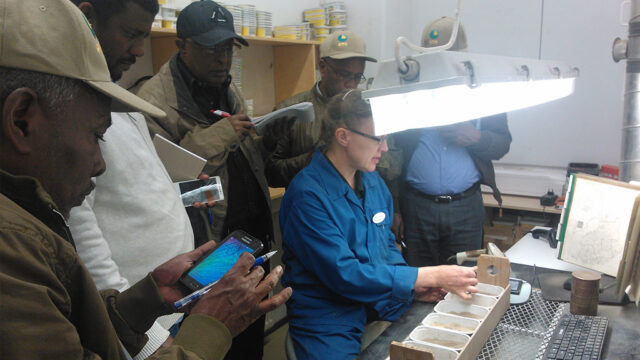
{"x":400,"y":351}
{"x":494,"y":270}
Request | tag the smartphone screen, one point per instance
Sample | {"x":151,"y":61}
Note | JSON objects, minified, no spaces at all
{"x":217,"y":263}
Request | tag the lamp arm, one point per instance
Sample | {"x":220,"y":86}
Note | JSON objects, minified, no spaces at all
{"x":403,"y":68}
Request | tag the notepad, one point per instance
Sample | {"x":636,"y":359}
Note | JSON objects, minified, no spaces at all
{"x":181,"y":164}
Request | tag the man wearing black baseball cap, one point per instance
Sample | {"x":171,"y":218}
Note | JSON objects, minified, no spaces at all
{"x":190,"y":88}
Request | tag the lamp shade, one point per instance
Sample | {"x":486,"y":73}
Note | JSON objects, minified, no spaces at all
{"x":450,"y":87}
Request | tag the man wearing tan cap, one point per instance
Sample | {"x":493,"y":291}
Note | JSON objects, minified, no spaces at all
{"x":341,"y":66}
{"x":55,"y":98}
{"x":435,"y":175}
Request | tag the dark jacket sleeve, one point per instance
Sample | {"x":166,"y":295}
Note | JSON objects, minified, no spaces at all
{"x":390,"y":168}
{"x":281,"y":167}
{"x":495,"y":138}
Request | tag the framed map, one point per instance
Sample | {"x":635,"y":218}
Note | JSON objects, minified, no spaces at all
{"x":597,"y":222}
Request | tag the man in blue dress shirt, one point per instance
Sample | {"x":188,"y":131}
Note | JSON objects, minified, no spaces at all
{"x":435,"y":174}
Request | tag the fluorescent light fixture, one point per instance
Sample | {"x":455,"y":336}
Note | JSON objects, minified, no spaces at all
{"x":447,"y":87}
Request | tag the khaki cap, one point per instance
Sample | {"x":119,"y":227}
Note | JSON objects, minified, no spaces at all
{"x":344,"y":45}
{"x":54,"y":37}
{"x":438,"y":33}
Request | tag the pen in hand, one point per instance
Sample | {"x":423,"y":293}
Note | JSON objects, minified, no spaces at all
{"x":201,"y":292}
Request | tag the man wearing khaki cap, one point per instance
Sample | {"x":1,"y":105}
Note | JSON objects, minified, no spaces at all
{"x":435,"y":175}
{"x":341,"y":66}
{"x":55,"y":97}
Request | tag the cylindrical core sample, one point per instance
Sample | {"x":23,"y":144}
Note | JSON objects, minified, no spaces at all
{"x":584,"y":293}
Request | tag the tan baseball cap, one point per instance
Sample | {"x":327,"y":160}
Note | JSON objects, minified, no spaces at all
{"x":54,"y":37}
{"x":438,"y":33}
{"x":344,"y":45}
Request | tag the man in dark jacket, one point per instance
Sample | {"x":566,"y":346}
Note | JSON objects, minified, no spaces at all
{"x":435,"y":174}
{"x":343,"y":56}
{"x":206,"y":115}
{"x":55,"y":97}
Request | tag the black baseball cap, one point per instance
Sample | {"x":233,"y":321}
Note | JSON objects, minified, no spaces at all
{"x":207,"y":23}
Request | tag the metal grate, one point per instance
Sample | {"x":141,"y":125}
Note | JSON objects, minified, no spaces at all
{"x":524,"y":330}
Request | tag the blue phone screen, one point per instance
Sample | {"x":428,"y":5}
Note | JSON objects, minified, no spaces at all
{"x":219,"y":262}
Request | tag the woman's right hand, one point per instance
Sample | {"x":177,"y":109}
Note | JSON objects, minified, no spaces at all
{"x":459,"y":280}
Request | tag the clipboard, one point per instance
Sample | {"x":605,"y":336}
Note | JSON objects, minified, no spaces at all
{"x":181,"y":164}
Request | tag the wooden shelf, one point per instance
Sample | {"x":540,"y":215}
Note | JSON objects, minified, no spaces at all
{"x":514,"y":202}
{"x":162,"y":32}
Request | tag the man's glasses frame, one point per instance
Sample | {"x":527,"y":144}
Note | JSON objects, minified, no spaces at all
{"x":345,"y":75}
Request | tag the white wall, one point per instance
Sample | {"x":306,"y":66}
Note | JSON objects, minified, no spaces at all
{"x":583,"y":127}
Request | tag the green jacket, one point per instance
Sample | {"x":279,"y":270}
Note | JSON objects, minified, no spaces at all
{"x":49,"y":305}
{"x":494,"y":143}
{"x":186,"y":126}
{"x":295,"y":148}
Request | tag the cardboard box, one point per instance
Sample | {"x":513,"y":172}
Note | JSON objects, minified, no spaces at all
{"x":501,"y":235}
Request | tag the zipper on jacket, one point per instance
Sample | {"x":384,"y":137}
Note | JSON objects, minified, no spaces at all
{"x":66,"y":227}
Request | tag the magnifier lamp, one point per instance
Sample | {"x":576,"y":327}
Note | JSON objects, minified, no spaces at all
{"x":435,"y":87}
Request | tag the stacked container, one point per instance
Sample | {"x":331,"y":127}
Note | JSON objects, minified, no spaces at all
{"x":264,"y":23}
{"x":168,"y":17}
{"x":293,"y":32}
{"x":336,"y":14}
{"x":236,"y":12}
{"x":248,"y":20}
{"x":315,"y":16}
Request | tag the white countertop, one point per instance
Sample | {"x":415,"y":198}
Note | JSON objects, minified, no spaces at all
{"x":530,"y":251}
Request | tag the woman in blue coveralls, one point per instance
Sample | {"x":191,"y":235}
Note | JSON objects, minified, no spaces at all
{"x":340,"y":254}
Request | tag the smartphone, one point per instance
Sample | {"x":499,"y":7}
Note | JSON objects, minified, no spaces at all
{"x":200,"y":191}
{"x":516,"y":285}
{"x":216,"y":263}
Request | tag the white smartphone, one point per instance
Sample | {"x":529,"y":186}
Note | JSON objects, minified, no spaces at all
{"x":200,"y":191}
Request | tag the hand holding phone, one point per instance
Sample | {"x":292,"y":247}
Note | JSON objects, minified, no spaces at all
{"x":217,"y":262}
{"x":248,"y":292}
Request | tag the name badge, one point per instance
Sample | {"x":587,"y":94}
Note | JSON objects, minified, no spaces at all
{"x":379,"y":217}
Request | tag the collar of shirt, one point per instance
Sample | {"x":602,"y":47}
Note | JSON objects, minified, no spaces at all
{"x":205,"y":96}
{"x":319,"y":94}
{"x":359,"y":190}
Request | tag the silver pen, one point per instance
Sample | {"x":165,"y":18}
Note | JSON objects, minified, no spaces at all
{"x":201,"y":292}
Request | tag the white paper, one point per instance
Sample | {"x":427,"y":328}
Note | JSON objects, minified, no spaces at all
{"x":302,"y":112}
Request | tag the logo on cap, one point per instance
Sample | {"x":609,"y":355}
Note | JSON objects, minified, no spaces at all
{"x":98,"y":47}
{"x":220,"y":15}
{"x":434,"y":34}
{"x":342,"y":40}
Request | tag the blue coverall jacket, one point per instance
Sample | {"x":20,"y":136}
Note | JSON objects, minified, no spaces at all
{"x":340,"y":259}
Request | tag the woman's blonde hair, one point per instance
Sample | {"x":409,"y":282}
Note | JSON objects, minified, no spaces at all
{"x":347,"y":108}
